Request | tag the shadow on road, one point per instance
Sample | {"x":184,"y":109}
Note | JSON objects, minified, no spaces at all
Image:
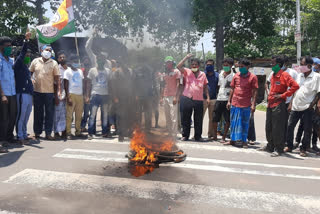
{"x":10,"y":158}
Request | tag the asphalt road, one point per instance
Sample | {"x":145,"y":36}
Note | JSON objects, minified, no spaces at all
{"x":82,"y":176}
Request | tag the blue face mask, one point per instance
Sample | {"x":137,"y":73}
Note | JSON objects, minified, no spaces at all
{"x":243,"y":70}
{"x":75,"y":65}
{"x":210,"y":68}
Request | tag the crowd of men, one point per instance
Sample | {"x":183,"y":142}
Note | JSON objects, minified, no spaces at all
{"x":62,"y":90}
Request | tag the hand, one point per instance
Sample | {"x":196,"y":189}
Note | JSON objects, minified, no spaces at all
{"x":56,"y":100}
{"x":228,"y":105}
{"x":289,"y":107}
{"x":277,"y":96}
{"x":69,"y":101}
{"x":253,"y":108}
{"x":28,"y":36}
{"x":161,"y":101}
{"x":116,"y":100}
{"x":175,"y":101}
{"x":33,"y":81}
{"x":4,"y":99}
{"x":87,"y":100}
{"x":208,"y":101}
{"x":189,"y":56}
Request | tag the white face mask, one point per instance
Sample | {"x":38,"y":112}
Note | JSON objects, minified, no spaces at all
{"x":194,"y":69}
{"x":46,"y":54}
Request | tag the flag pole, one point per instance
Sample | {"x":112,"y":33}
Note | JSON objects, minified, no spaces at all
{"x":77,"y":47}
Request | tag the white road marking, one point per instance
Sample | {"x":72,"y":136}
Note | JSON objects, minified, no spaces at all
{"x":189,"y":163}
{"x":208,"y":147}
{"x":158,"y":190}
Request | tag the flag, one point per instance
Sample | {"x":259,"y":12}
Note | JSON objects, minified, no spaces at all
{"x":62,"y":23}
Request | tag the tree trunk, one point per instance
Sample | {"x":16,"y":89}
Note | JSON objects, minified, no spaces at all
{"x":219,"y":31}
{"x":40,"y":11}
{"x":219,"y":44}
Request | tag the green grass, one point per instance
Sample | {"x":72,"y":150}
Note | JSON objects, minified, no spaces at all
{"x":261,"y":107}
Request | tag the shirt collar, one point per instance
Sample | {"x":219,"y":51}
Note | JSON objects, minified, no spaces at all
{"x":310,"y":75}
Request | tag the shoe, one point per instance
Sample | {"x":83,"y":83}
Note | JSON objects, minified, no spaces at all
{"x":296,"y":145}
{"x":245,"y":145}
{"x":107,"y":135}
{"x":276,"y":154}
{"x":184,"y":139}
{"x":90,"y":137}
{"x":120,"y":139}
{"x":57,"y":136}
{"x":3,"y":150}
{"x":229,"y":143}
{"x":199,"y":139}
{"x":287,"y":149}
{"x":251,"y":142}
{"x":49,"y":137}
{"x":303,"y":153}
{"x":81,"y":136}
{"x":36,"y":136}
{"x":84,"y":130}
{"x":70,"y":137}
{"x":265,"y":149}
{"x":315,"y":149}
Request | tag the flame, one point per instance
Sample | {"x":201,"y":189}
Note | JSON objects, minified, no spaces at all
{"x":145,"y":158}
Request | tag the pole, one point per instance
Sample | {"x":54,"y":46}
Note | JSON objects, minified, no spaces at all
{"x":77,"y":47}
{"x":298,"y":32}
{"x":204,"y":56}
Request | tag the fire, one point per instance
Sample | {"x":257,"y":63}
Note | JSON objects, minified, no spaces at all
{"x":145,"y":158}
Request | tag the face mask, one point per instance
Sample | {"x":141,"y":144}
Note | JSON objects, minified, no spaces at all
{"x":226,"y":68}
{"x":7,"y":51}
{"x":100,"y":64}
{"x":276,"y":69}
{"x":63,"y":62}
{"x":304,"y":69}
{"x":210,"y":68}
{"x":27,"y":60}
{"x":243,"y":70}
{"x":75,"y":65}
{"x":283,"y":67}
{"x":194,"y":70}
{"x":46,"y":54}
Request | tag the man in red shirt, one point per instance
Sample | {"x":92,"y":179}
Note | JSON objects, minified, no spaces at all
{"x":282,"y":86}
{"x":196,"y":84}
{"x":242,"y":101}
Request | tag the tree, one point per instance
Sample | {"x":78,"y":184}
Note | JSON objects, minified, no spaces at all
{"x":15,"y":17}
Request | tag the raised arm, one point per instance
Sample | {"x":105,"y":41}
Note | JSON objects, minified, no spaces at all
{"x":181,"y":63}
{"x":20,"y":58}
{"x":90,"y":53}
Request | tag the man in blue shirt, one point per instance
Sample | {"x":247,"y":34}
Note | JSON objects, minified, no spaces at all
{"x":24,"y":89}
{"x":213,"y":79}
{"x":8,"y":104}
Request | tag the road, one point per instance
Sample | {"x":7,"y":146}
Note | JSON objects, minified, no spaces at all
{"x":83,"y":176}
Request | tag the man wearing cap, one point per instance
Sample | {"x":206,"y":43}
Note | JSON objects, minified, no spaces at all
{"x":45,"y":72}
{"x":24,"y":89}
{"x":169,"y":94}
{"x":8,"y":102}
{"x":213,"y":79}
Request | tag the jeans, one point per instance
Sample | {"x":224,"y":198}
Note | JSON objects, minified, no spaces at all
{"x":86,"y":114}
{"x":43,"y":108}
{"x":306,"y":118}
{"x":24,"y":105}
{"x":8,"y":114}
{"x":95,"y":102}
{"x":196,"y":107}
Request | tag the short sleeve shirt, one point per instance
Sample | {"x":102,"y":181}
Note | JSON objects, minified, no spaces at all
{"x":194,"y":86}
{"x":43,"y":74}
{"x":170,"y":80}
{"x":99,"y":80}
{"x":309,"y":87}
{"x":75,"y":81}
{"x":224,"y":86}
{"x":7,"y":79}
{"x":242,"y":89}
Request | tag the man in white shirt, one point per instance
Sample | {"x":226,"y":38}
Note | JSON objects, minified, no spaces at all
{"x":302,"y":104}
{"x":73,"y":84}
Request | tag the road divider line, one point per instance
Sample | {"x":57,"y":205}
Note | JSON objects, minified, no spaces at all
{"x":169,"y":191}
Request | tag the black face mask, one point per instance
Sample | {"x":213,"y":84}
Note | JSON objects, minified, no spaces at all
{"x":63,"y":62}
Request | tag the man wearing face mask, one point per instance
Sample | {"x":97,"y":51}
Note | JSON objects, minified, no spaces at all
{"x":282,"y":87}
{"x":302,"y":104}
{"x":196,"y":84}
{"x":242,"y":102}
{"x":224,"y":89}
{"x":24,"y":89}
{"x":213,"y":79}
{"x":60,"y":108}
{"x":73,"y":84}
{"x":8,"y":102}
{"x":45,"y":72}
{"x":169,"y":94}
{"x":86,"y":108}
